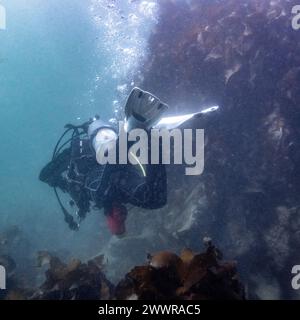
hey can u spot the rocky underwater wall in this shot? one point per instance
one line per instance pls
(245, 57)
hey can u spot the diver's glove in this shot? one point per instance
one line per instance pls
(143, 110)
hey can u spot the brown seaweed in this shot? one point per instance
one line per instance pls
(166, 275)
(188, 276)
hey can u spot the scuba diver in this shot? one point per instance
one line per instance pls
(75, 169)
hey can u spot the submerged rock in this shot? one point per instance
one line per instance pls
(9, 236)
(74, 281)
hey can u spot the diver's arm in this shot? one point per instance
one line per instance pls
(52, 172)
(81, 200)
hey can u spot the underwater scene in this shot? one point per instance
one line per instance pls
(150, 149)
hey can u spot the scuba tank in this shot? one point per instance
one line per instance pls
(102, 137)
(84, 141)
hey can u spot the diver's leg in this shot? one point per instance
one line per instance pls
(150, 191)
(140, 185)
